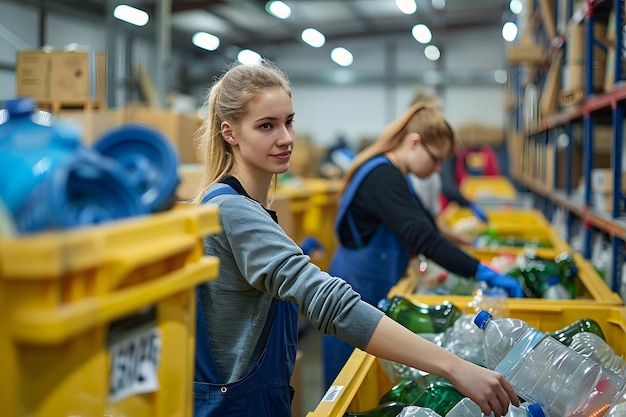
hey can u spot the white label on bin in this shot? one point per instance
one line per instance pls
(135, 364)
(332, 393)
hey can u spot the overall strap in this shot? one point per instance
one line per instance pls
(350, 192)
(219, 189)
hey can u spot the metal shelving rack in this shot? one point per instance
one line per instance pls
(593, 106)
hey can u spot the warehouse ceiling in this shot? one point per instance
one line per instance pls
(246, 24)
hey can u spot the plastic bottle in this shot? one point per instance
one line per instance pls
(465, 340)
(408, 390)
(566, 334)
(418, 317)
(594, 347)
(417, 411)
(468, 408)
(390, 409)
(428, 391)
(544, 371)
(554, 290)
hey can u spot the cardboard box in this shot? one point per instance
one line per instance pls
(61, 76)
(478, 134)
(181, 129)
(92, 123)
(296, 382)
(528, 52)
(190, 181)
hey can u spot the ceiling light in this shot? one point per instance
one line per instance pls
(406, 6)
(500, 76)
(516, 6)
(206, 41)
(341, 56)
(131, 15)
(422, 34)
(509, 31)
(249, 57)
(278, 9)
(432, 52)
(313, 37)
(438, 4)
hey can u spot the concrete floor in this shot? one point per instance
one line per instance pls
(311, 390)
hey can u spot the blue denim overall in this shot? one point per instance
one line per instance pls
(371, 269)
(265, 390)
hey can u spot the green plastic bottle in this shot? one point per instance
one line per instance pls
(439, 396)
(419, 317)
(409, 389)
(533, 272)
(389, 409)
(566, 334)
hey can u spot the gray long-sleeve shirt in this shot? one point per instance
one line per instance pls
(259, 261)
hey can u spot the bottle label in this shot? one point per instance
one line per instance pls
(521, 349)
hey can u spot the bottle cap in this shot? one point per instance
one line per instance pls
(383, 304)
(20, 107)
(553, 280)
(481, 318)
(149, 160)
(535, 410)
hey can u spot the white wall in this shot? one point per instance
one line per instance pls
(393, 67)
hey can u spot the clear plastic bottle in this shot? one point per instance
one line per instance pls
(417, 411)
(555, 290)
(544, 371)
(468, 408)
(594, 347)
(465, 340)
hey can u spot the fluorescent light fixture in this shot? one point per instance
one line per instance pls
(421, 33)
(341, 56)
(278, 9)
(206, 41)
(131, 15)
(313, 37)
(500, 76)
(406, 6)
(432, 52)
(509, 31)
(249, 57)
(516, 6)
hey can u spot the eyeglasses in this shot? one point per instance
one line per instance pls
(436, 159)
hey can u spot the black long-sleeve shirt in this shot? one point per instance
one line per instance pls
(384, 197)
(449, 187)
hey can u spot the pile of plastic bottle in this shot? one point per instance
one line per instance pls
(49, 180)
(569, 372)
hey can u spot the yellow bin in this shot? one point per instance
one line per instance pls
(101, 321)
(362, 381)
(478, 188)
(590, 286)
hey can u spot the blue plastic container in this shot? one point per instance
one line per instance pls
(87, 189)
(149, 160)
(29, 151)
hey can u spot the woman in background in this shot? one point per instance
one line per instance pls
(381, 222)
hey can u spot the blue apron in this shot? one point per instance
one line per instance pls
(264, 391)
(370, 269)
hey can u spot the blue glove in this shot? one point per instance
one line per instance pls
(479, 213)
(494, 279)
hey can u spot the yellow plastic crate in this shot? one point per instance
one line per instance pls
(543, 234)
(500, 219)
(77, 304)
(476, 188)
(589, 284)
(362, 381)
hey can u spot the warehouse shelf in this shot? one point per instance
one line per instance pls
(546, 154)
